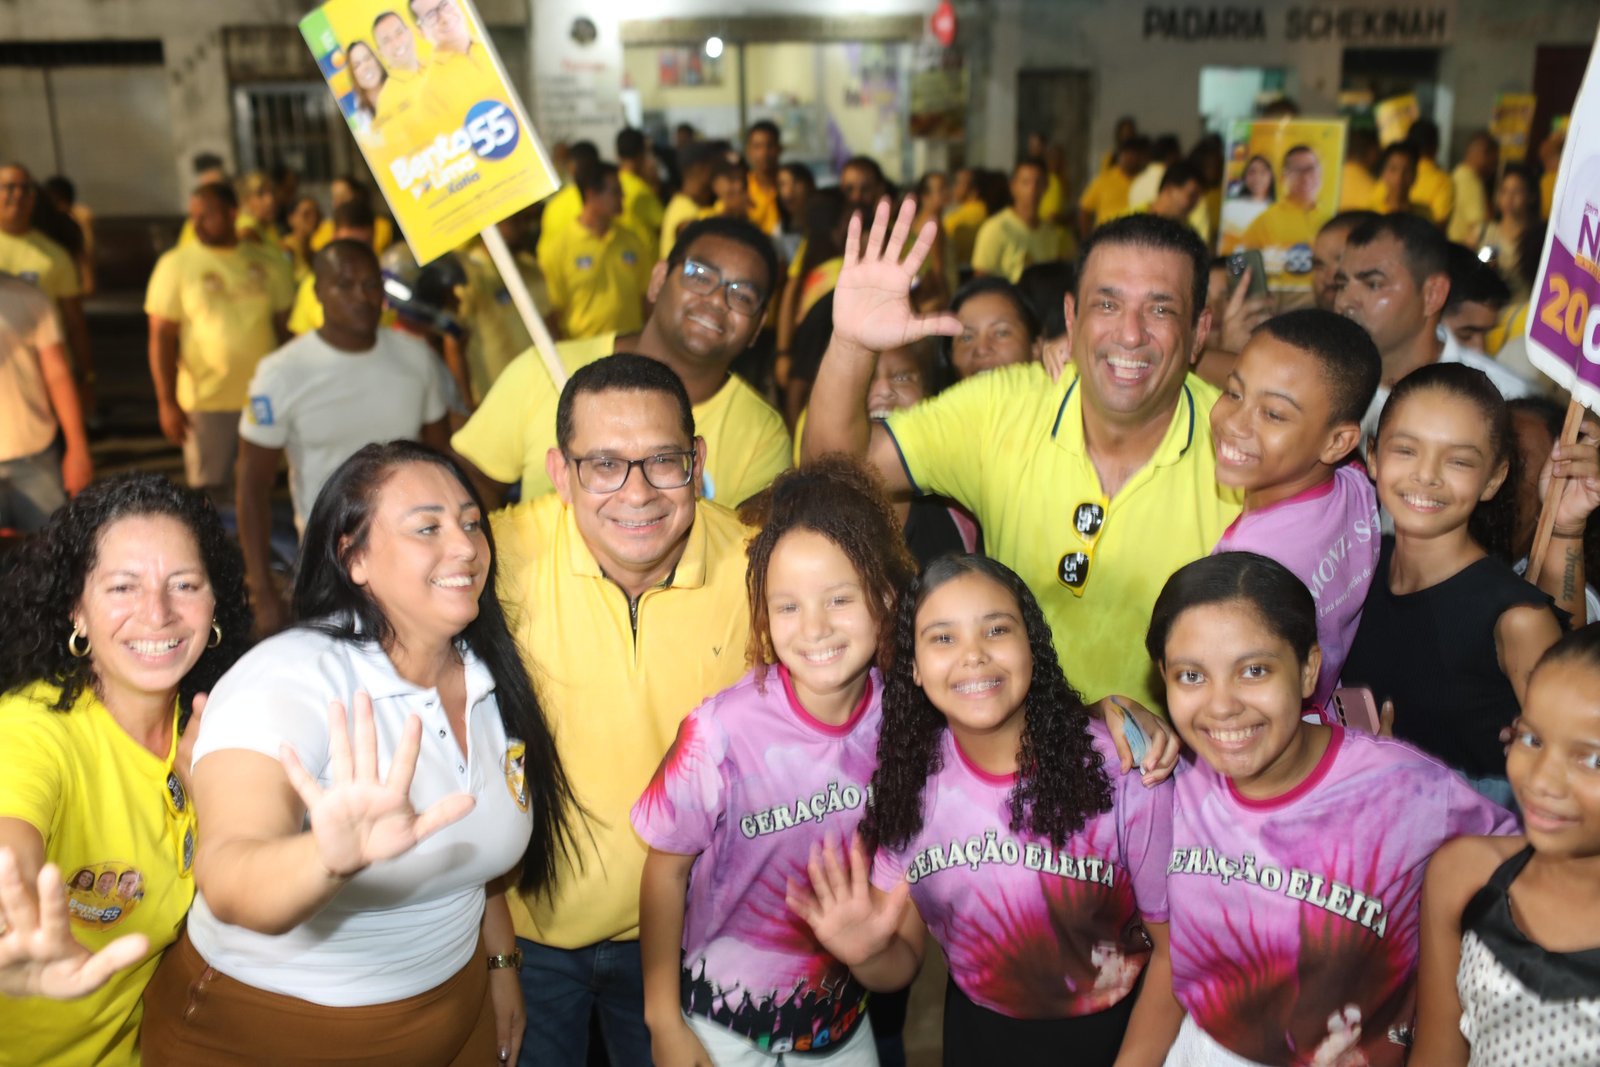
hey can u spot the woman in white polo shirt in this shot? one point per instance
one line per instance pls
(354, 911)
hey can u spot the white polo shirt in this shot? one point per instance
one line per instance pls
(406, 925)
(322, 405)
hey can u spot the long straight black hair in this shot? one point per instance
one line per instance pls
(328, 600)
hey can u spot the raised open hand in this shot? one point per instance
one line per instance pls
(872, 300)
(359, 820)
(39, 957)
(852, 922)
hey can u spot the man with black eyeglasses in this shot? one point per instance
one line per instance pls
(709, 297)
(627, 597)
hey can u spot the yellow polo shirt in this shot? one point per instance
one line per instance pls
(596, 284)
(1434, 194)
(1284, 225)
(1357, 187)
(98, 798)
(1009, 446)
(40, 262)
(1107, 195)
(764, 211)
(1007, 246)
(223, 300)
(747, 443)
(1054, 200)
(961, 225)
(641, 208)
(614, 693)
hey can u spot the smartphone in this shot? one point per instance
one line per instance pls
(1258, 270)
(1138, 743)
(1355, 708)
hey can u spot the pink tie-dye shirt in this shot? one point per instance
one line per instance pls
(750, 784)
(1329, 537)
(1294, 920)
(1030, 931)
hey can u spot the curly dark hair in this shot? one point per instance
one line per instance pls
(1062, 779)
(1493, 523)
(328, 600)
(37, 600)
(835, 497)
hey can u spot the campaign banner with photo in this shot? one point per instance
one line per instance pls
(1564, 321)
(1281, 184)
(430, 106)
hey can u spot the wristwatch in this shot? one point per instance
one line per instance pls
(512, 959)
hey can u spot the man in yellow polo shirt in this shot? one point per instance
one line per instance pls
(597, 270)
(962, 222)
(627, 596)
(400, 110)
(216, 307)
(700, 324)
(561, 211)
(460, 72)
(28, 254)
(636, 168)
(1094, 488)
(763, 146)
(1014, 239)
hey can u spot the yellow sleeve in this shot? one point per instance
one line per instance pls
(495, 438)
(936, 437)
(62, 281)
(32, 785)
(988, 251)
(162, 296)
(1444, 200)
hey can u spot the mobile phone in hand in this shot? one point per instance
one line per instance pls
(1356, 709)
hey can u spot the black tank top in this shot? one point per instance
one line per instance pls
(1432, 652)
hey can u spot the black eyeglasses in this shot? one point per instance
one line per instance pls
(1088, 519)
(704, 280)
(607, 474)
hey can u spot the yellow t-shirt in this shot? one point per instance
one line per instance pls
(382, 235)
(1107, 195)
(98, 798)
(615, 692)
(1434, 194)
(223, 300)
(1009, 446)
(961, 225)
(1283, 225)
(498, 334)
(641, 208)
(764, 211)
(747, 443)
(1007, 246)
(1357, 187)
(596, 284)
(40, 262)
(680, 211)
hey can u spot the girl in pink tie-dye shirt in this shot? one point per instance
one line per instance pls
(758, 775)
(1298, 848)
(997, 811)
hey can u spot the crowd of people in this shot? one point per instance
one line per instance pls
(984, 561)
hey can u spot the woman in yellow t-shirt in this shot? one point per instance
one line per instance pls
(128, 604)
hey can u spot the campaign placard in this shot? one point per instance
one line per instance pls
(1564, 320)
(1281, 183)
(430, 106)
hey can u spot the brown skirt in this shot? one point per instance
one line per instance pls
(194, 1014)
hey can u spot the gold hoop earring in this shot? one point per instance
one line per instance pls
(72, 644)
(216, 635)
